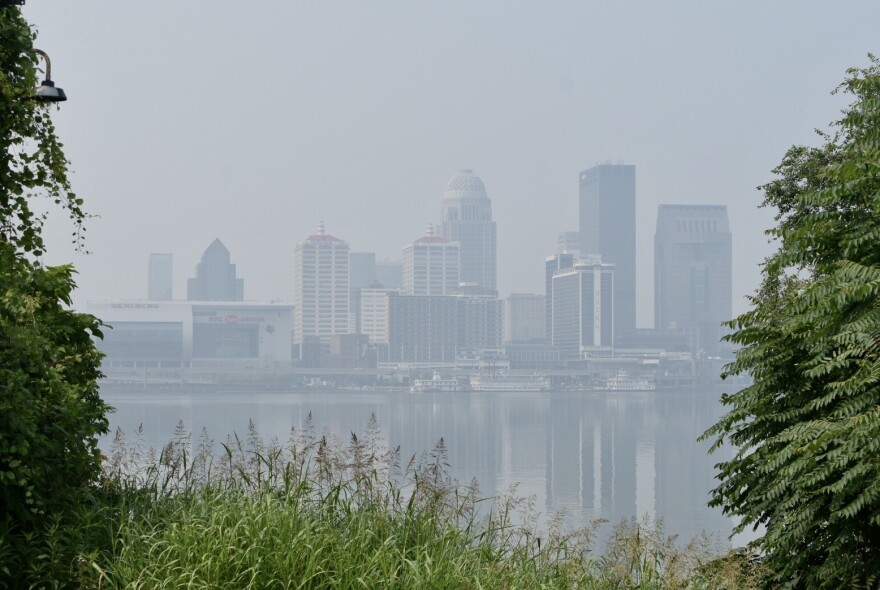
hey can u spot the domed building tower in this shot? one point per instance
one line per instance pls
(467, 219)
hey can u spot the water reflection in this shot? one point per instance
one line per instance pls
(608, 455)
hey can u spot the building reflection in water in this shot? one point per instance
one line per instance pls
(609, 455)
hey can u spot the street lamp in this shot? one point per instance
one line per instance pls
(47, 91)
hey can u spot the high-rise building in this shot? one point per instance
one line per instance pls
(160, 277)
(430, 266)
(583, 306)
(441, 328)
(692, 271)
(422, 328)
(526, 318)
(569, 241)
(608, 229)
(374, 314)
(480, 325)
(362, 274)
(215, 277)
(467, 219)
(321, 300)
(551, 265)
(389, 273)
(362, 268)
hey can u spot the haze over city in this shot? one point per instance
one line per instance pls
(252, 123)
(455, 294)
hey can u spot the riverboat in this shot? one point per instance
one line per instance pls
(624, 382)
(506, 382)
(436, 383)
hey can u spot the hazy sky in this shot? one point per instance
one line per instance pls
(251, 121)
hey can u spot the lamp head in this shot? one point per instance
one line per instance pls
(48, 92)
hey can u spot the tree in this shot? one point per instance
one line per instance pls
(50, 410)
(807, 431)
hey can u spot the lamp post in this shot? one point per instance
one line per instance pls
(47, 91)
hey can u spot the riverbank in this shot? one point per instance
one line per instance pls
(310, 513)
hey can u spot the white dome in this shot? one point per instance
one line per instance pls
(466, 182)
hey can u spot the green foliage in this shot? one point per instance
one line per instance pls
(32, 162)
(50, 411)
(808, 429)
(318, 513)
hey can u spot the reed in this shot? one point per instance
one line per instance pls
(317, 512)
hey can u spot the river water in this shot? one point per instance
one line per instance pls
(609, 455)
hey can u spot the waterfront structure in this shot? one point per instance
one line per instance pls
(552, 264)
(436, 384)
(160, 279)
(506, 382)
(525, 317)
(534, 355)
(215, 278)
(608, 229)
(321, 299)
(569, 241)
(430, 265)
(467, 219)
(692, 271)
(583, 307)
(190, 333)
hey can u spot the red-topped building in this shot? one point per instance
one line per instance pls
(321, 298)
(431, 265)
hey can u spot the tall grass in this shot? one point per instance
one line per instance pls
(317, 512)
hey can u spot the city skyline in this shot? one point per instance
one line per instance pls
(704, 99)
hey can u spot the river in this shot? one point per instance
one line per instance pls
(596, 454)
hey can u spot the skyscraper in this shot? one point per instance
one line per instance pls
(160, 277)
(422, 328)
(583, 306)
(480, 324)
(321, 299)
(389, 273)
(215, 277)
(430, 266)
(362, 267)
(374, 314)
(608, 228)
(551, 265)
(692, 271)
(525, 317)
(568, 241)
(467, 219)
(361, 274)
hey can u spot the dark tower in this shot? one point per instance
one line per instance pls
(608, 228)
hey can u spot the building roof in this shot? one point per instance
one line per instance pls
(465, 181)
(216, 247)
(321, 236)
(430, 238)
